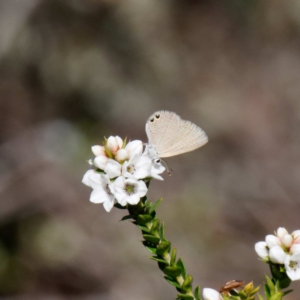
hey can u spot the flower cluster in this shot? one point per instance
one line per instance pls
(282, 248)
(120, 173)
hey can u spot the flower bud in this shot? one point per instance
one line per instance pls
(287, 240)
(296, 235)
(272, 241)
(134, 148)
(281, 231)
(122, 155)
(211, 294)
(100, 162)
(277, 255)
(261, 250)
(295, 248)
(98, 150)
(114, 143)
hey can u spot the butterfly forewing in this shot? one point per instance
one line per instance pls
(162, 128)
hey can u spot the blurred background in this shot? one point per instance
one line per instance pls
(73, 71)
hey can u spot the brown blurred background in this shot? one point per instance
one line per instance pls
(72, 71)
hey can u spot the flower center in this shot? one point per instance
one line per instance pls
(129, 188)
(131, 169)
(294, 265)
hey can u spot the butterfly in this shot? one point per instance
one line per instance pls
(169, 135)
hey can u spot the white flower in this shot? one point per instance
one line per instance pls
(114, 143)
(272, 241)
(101, 186)
(292, 266)
(128, 190)
(98, 150)
(262, 250)
(211, 294)
(277, 255)
(112, 168)
(137, 167)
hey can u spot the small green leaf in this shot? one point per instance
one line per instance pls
(163, 248)
(185, 297)
(174, 283)
(260, 297)
(287, 292)
(144, 219)
(173, 256)
(155, 227)
(155, 205)
(152, 239)
(277, 296)
(172, 271)
(149, 248)
(180, 264)
(119, 206)
(143, 228)
(159, 260)
(197, 293)
(270, 285)
(284, 283)
(128, 217)
(187, 284)
(254, 291)
(162, 231)
(108, 152)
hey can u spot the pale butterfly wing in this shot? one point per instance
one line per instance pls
(169, 135)
(189, 138)
(161, 128)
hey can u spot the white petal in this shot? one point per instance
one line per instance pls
(295, 248)
(98, 150)
(142, 188)
(133, 199)
(134, 148)
(281, 231)
(211, 294)
(118, 190)
(292, 266)
(100, 162)
(261, 250)
(157, 169)
(99, 196)
(287, 240)
(112, 168)
(277, 255)
(109, 204)
(272, 241)
(98, 180)
(86, 176)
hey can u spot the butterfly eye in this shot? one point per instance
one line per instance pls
(152, 120)
(157, 161)
(157, 116)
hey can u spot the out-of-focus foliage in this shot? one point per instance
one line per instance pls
(72, 71)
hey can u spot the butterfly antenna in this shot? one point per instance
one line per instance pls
(168, 170)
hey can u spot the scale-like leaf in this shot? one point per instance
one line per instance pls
(185, 297)
(152, 239)
(180, 264)
(172, 271)
(155, 205)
